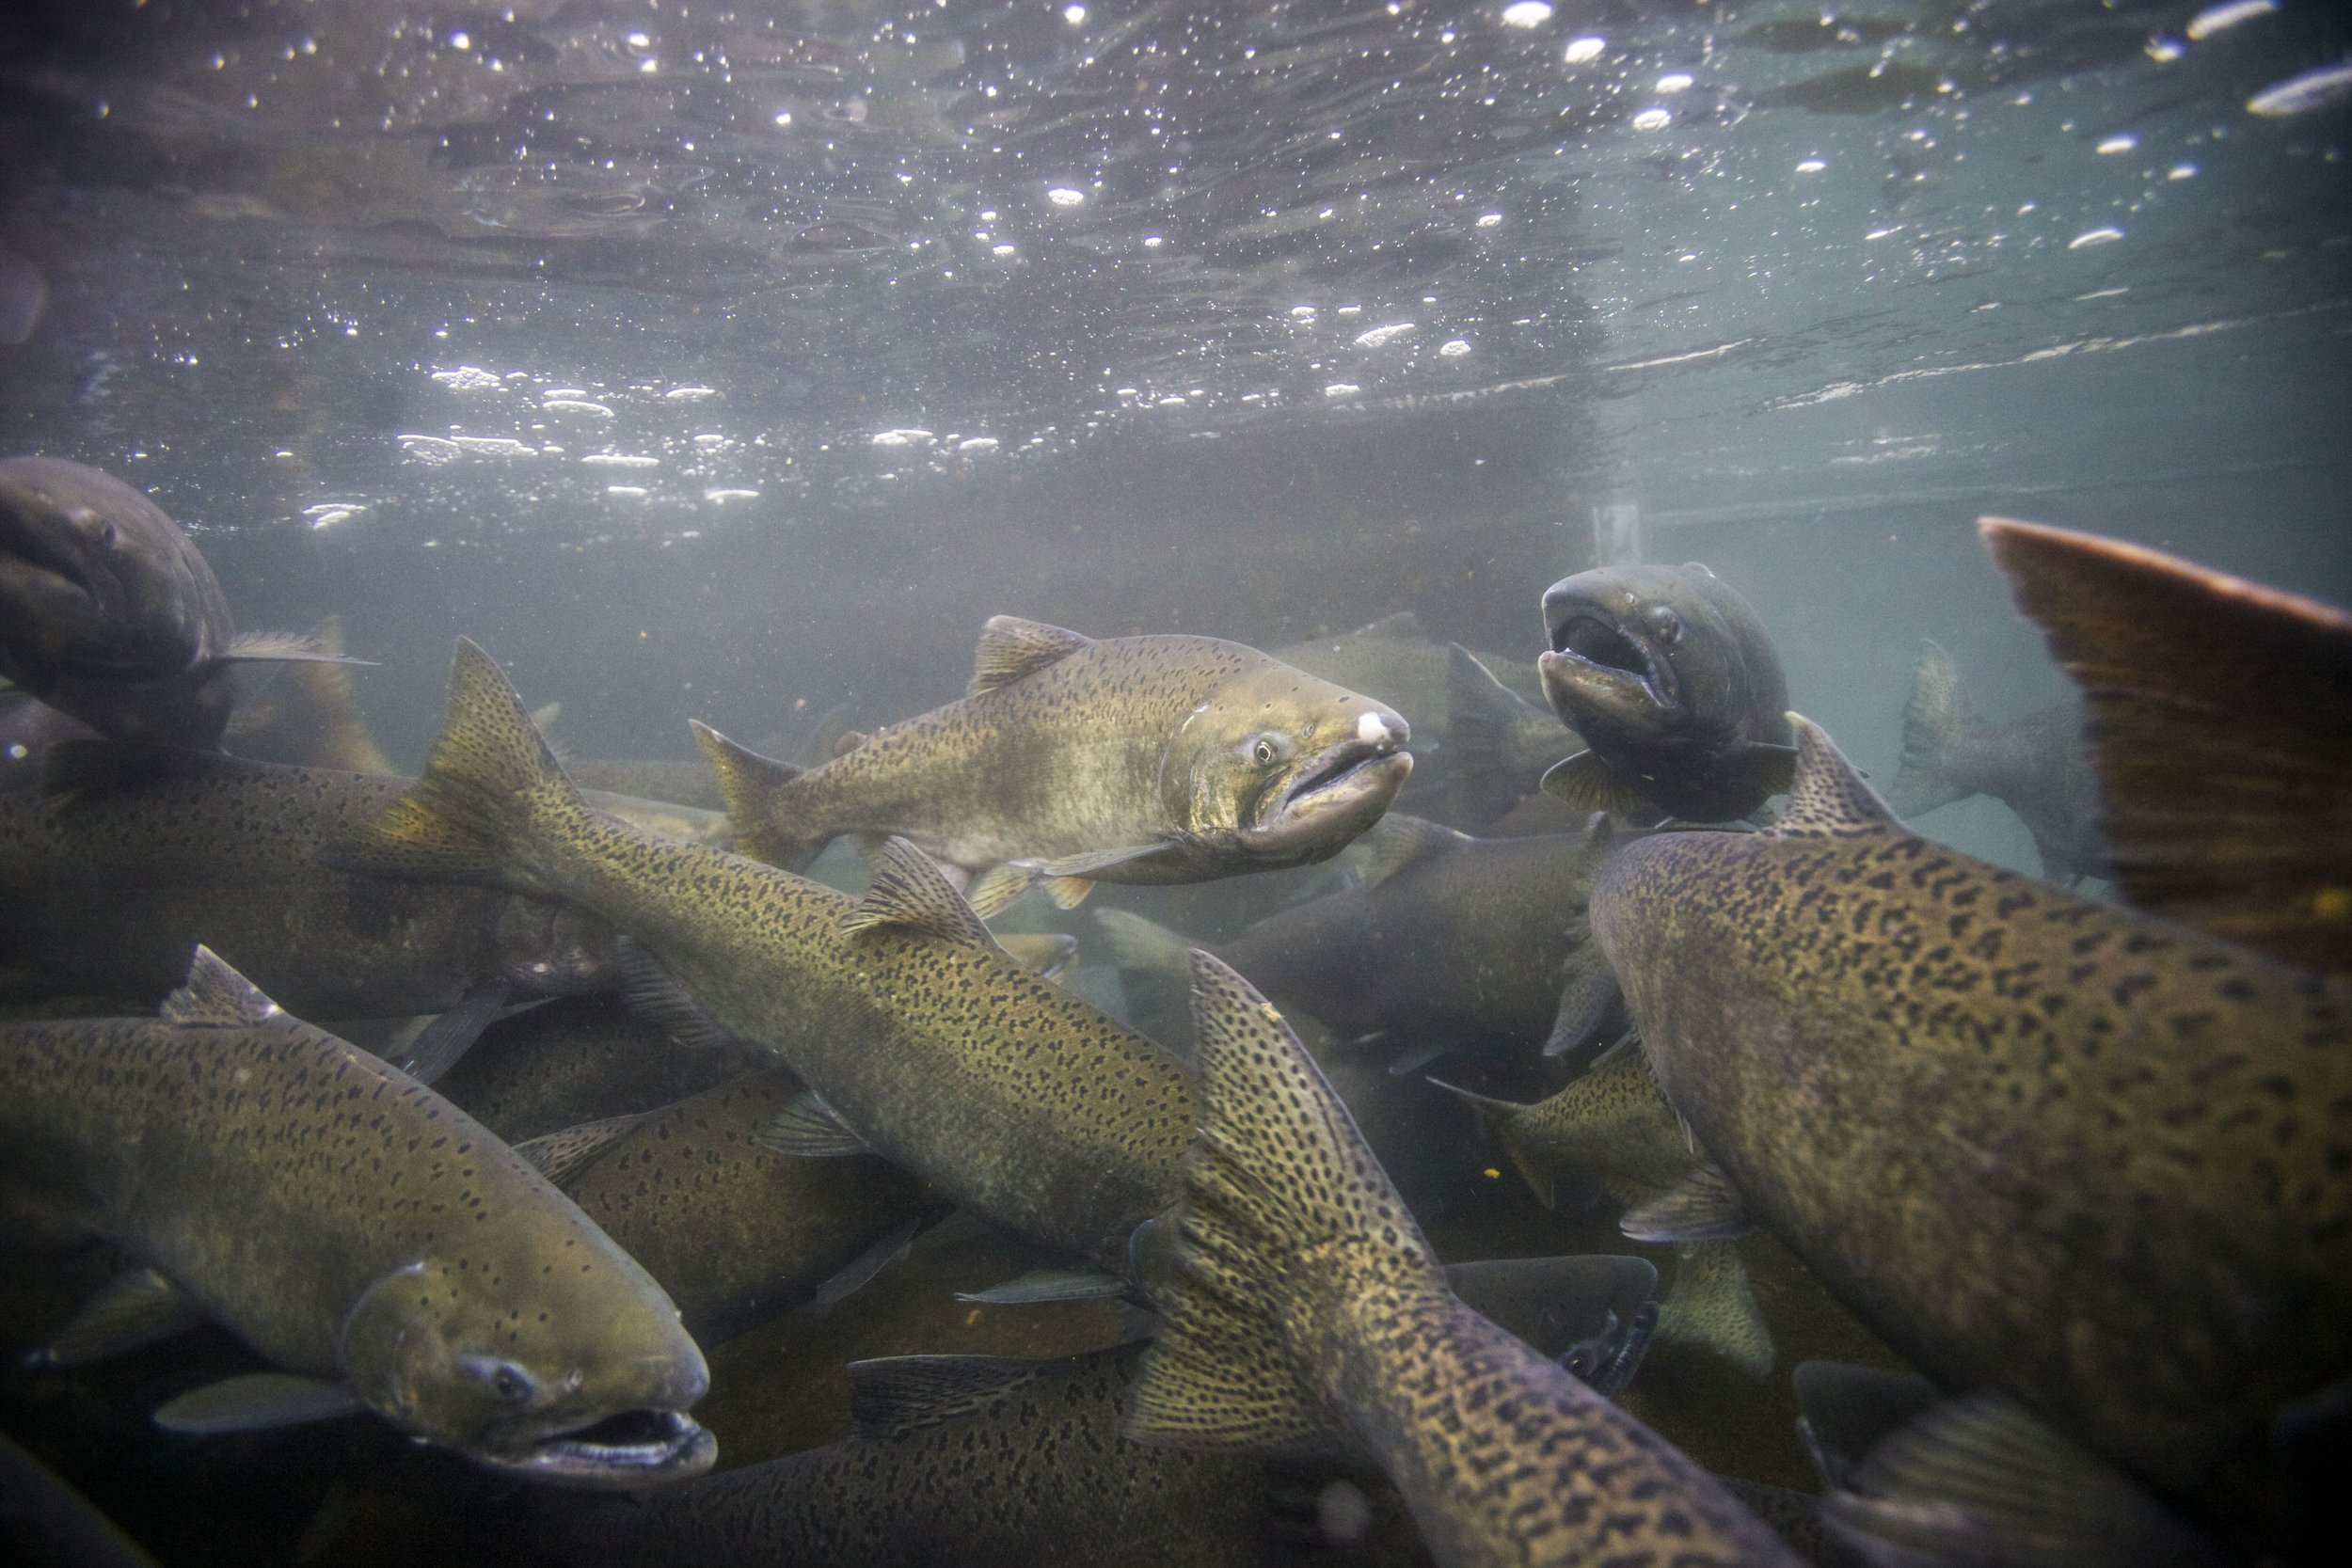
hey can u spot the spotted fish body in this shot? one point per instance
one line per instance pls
(932, 1046)
(1305, 1306)
(736, 1231)
(1210, 755)
(2039, 1143)
(974, 1461)
(103, 892)
(343, 1220)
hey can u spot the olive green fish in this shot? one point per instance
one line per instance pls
(2041, 1144)
(734, 1230)
(923, 1038)
(138, 854)
(984, 1461)
(1672, 680)
(1611, 1126)
(1134, 759)
(355, 1228)
(1305, 1306)
(578, 1059)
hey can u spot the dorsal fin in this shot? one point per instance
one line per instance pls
(1397, 840)
(1401, 625)
(909, 892)
(1830, 797)
(1011, 648)
(216, 994)
(894, 1395)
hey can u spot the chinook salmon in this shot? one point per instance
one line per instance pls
(1304, 1306)
(364, 1235)
(919, 1037)
(1612, 1127)
(1672, 680)
(2041, 1144)
(1451, 943)
(985, 1462)
(108, 612)
(735, 1230)
(137, 855)
(1132, 759)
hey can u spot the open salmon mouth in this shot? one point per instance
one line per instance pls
(1603, 646)
(631, 1448)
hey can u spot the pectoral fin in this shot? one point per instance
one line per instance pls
(1043, 1285)
(256, 1402)
(136, 1308)
(1000, 887)
(1702, 1207)
(807, 1129)
(440, 1044)
(894, 1395)
(886, 1250)
(1979, 1479)
(288, 647)
(560, 1156)
(1588, 991)
(1585, 782)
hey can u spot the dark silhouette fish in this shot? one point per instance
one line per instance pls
(1671, 680)
(2045, 1146)
(2220, 723)
(358, 1230)
(1452, 943)
(1305, 1307)
(107, 611)
(2038, 766)
(578, 1059)
(1133, 759)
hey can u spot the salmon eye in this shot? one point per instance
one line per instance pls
(1263, 752)
(510, 1383)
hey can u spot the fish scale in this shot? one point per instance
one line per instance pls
(2039, 1143)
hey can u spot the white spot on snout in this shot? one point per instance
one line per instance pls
(1371, 728)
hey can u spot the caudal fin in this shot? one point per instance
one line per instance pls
(1934, 722)
(488, 792)
(1503, 1117)
(1279, 1166)
(760, 802)
(1708, 1304)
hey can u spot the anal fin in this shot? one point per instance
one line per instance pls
(1585, 782)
